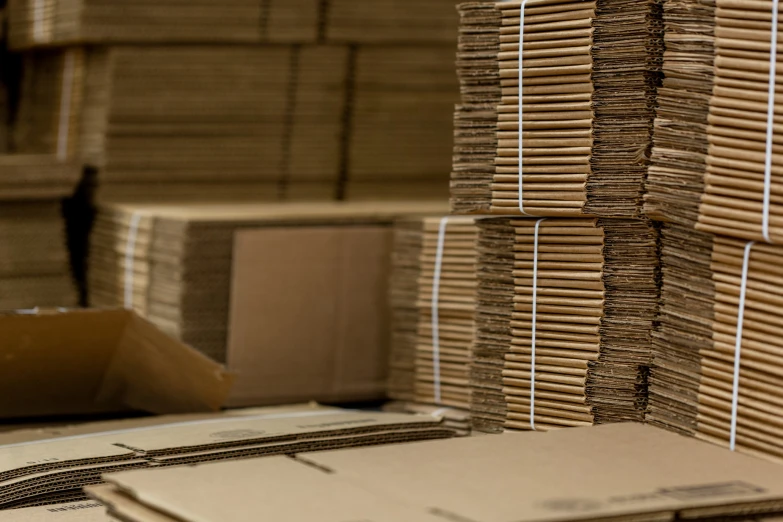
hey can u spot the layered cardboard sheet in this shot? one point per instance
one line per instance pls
(589, 74)
(455, 418)
(683, 478)
(675, 181)
(565, 313)
(46, 471)
(173, 264)
(741, 194)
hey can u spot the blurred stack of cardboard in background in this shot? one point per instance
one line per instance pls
(208, 273)
(337, 111)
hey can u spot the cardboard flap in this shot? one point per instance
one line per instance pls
(152, 372)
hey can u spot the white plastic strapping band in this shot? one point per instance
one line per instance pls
(65, 107)
(521, 189)
(435, 312)
(738, 345)
(773, 61)
(533, 328)
(130, 258)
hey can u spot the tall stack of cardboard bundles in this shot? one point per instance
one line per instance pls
(717, 347)
(5, 109)
(588, 85)
(35, 268)
(433, 300)
(565, 306)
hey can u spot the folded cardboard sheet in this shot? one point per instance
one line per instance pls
(682, 478)
(45, 471)
(565, 312)
(36, 177)
(89, 361)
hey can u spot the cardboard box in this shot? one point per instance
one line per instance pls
(635, 473)
(302, 330)
(88, 361)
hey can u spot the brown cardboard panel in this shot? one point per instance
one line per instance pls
(682, 475)
(90, 361)
(305, 330)
(84, 511)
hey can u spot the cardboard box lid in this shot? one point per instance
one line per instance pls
(90, 361)
(308, 316)
(578, 474)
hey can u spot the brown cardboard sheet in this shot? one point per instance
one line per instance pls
(684, 478)
(83, 511)
(115, 361)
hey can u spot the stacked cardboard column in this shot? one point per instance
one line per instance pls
(716, 345)
(433, 299)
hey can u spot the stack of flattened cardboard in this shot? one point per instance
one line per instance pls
(391, 21)
(194, 271)
(433, 298)
(5, 109)
(457, 419)
(682, 479)
(675, 181)
(589, 71)
(446, 308)
(34, 265)
(584, 298)
(742, 187)
(36, 177)
(403, 297)
(475, 118)
(684, 328)
(400, 121)
(54, 470)
(60, 22)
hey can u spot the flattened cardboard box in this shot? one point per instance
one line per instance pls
(89, 361)
(636, 473)
(303, 330)
(84, 511)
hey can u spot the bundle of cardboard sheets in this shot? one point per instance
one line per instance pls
(64, 22)
(675, 181)
(35, 268)
(475, 118)
(588, 78)
(693, 379)
(301, 121)
(742, 195)
(54, 468)
(682, 479)
(433, 298)
(570, 346)
(185, 268)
